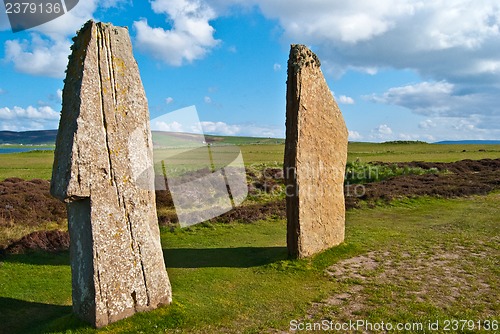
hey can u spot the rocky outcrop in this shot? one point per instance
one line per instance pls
(103, 146)
(315, 158)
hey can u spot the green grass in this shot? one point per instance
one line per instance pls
(27, 165)
(359, 172)
(39, 164)
(236, 278)
(169, 139)
(414, 260)
(420, 152)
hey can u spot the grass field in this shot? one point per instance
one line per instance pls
(31, 165)
(414, 261)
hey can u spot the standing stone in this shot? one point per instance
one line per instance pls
(315, 158)
(103, 145)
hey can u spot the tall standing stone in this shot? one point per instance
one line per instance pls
(315, 158)
(103, 145)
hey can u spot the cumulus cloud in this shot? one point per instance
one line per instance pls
(38, 56)
(46, 52)
(246, 129)
(169, 100)
(452, 128)
(383, 131)
(455, 45)
(395, 33)
(220, 128)
(427, 124)
(169, 127)
(444, 100)
(349, 22)
(345, 99)
(30, 118)
(190, 38)
(355, 135)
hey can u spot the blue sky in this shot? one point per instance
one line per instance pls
(399, 69)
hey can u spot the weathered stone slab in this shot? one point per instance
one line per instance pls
(103, 145)
(315, 158)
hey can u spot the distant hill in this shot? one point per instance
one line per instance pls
(43, 137)
(160, 139)
(474, 142)
(178, 139)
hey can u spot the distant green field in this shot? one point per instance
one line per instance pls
(38, 164)
(163, 139)
(421, 152)
(27, 165)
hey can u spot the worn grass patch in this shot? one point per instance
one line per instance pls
(417, 260)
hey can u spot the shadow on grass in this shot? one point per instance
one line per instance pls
(38, 258)
(238, 257)
(19, 316)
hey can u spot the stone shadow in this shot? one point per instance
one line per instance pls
(38, 258)
(237, 257)
(19, 316)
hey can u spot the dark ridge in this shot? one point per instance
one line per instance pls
(28, 137)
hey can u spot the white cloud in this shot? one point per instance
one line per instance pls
(30, 118)
(207, 99)
(383, 131)
(450, 42)
(169, 127)
(59, 94)
(427, 124)
(354, 135)
(276, 67)
(220, 128)
(446, 101)
(247, 129)
(345, 99)
(349, 22)
(454, 128)
(169, 100)
(409, 136)
(39, 56)
(46, 52)
(395, 33)
(190, 38)
(30, 112)
(48, 55)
